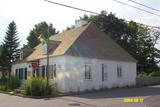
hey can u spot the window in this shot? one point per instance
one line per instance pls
(19, 74)
(104, 72)
(25, 73)
(88, 73)
(34, 73)
(16, 73)
(43, 71)
(52, 69)
(119, 71)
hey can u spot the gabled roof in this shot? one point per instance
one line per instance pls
(26, 52)
(66, 38)
(86, 41)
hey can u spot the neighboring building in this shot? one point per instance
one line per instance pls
(83, 58)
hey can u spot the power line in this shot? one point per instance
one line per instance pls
(136, 8)
(91, 11)
(144, 5)
(72, 7)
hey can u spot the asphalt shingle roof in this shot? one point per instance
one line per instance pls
(86, 41)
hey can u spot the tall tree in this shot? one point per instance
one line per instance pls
(137, 39)
(40, 28)
(10, 50)
(1, 49)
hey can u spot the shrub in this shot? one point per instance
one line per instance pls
(13, 83)
(3, 88)
(36, 87)
(8, 84)
(154, 74)
(3, 81)
(3, 84)
(142, 75)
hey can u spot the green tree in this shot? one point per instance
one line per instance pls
(40, 28)
(1, 49)
(137, 39)
(10, 51)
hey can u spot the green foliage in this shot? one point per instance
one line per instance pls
(9, 84)
(142, 75)
(137, 39)
(149, 74)
(41, 28)
(3, 84)
(3, 88)
(154, 74)
(13, 82)
(1, 49)
(37, 87)
(10, 45)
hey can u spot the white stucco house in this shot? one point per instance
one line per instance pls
(83, 58)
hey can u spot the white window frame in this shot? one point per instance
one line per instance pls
(52, 69)
(17, 72)
(87, 73)
(119, 71)
(104, 72)
(43, 71)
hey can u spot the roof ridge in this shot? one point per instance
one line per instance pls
(87, 25)
(67, 38)
(52, 36)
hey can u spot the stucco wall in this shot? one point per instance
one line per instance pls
(75, 74)
(70, 73)
(60, 70)
(20, 65)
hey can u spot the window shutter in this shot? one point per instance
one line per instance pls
(102, 72)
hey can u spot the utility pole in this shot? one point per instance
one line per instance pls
(47, 66)
(45, 37)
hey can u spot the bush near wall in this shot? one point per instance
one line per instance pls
(142, 75)
(3, 84)
(154, 74)
(9, 84)
(13, 83)
(37, 87)
(147, 75)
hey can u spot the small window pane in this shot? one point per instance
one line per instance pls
(16, 73)
(88, 74)
(19, 74)
(54, 70)
(51, 71)
(25, 73)
(104, 72)
(43, 71)
(119, 71)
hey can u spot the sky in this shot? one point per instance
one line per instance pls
(27, 13)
